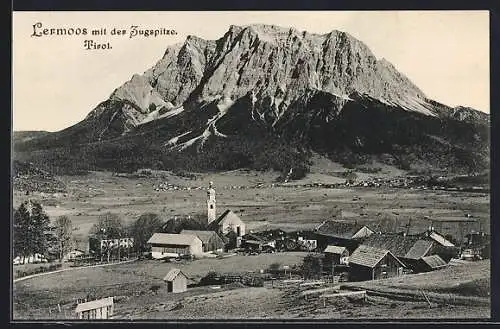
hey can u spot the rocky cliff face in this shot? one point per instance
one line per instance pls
(323, 92)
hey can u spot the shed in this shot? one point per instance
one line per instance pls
(96, 309)
(370, 263)
(433, 262)
(210, 240)
(335, 254)
(176, 281)
(174, 245)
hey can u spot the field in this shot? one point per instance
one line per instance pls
(286, 207)
(289, 207)
(130, 284)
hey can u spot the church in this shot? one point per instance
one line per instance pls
(226, 222)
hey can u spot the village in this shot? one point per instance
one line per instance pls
(336, 251)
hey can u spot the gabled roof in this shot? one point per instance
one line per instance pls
(204, 236)
(398, 244)
(339, 228)
(369, 256)
(94, 304)
(177, 239)
(419, 249)
(172, 274)
(335, 250)
(228, 214)
(434, 261)
(441, 240)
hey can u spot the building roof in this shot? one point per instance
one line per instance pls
(176, 239)
(369, 256)
(434, 261)
(440, 239)
(339, 228)
(204, 236)
(94, 304)
(419, 249)
(335, 250)
(228, 214)
(399, 244)
(172, 274)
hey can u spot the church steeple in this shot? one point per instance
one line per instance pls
(210, 203)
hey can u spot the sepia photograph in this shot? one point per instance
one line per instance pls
(250, 165)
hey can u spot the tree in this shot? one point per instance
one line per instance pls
(63, 234)
(351, 177)
(22, 230)
(31, 230)
(40, 229)
(143, 228)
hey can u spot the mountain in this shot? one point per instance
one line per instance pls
(265, 97)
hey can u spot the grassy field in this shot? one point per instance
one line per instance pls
(288, 208)
(130, 284)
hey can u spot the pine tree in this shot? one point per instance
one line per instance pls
(41, 231)
(22, 247)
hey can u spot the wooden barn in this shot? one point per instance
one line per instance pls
(164, 245)
(410, 249)
(176, 281)
(369, 263)
(335, 254)
(210, 240)
(343, 233)
(95, 310)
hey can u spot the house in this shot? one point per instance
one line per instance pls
(176, 281)
(476, 246)
(165, 245)
(410, 249)
(341, 233)
(210, 240)
(228, 222)
(370, 263)
(336, 255)
(95, 310)
(74, 254)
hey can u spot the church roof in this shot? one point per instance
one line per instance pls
(228, 214)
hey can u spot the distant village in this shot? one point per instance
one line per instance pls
(338, 250)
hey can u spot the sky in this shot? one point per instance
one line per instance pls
(57, 82)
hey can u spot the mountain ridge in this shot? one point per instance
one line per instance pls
(306, 91)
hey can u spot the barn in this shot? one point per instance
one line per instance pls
(176, 281)
(341, 233)
(210, 240)
(95, 310)
(335, 254)
(369, 263)
(165, 245)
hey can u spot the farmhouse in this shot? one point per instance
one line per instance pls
(176, 281)
(175, 245)
(369, 263)
(96, 309)
(341, 233)
(411, 249)
(210, 240)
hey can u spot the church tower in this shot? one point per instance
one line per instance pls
(210, 203)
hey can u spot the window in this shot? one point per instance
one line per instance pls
(211, 206)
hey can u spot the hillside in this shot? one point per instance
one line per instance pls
(266, 97)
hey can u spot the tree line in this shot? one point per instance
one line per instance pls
(35, 233)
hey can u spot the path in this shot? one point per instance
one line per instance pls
(70, 269)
